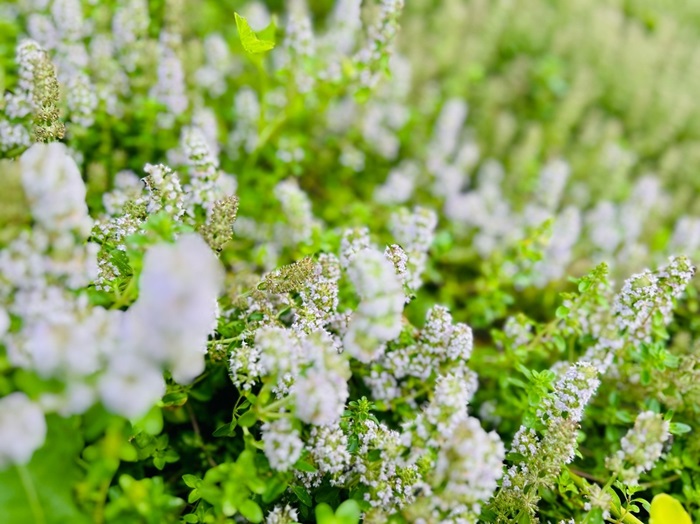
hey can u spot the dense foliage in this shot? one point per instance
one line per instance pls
(349, 261)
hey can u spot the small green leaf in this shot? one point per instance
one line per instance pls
(247, 419)
(324, 514)
(175, 399)
(223, 431)
(274, 488)
(194, 496)
(251, 511)
(348, 512)
(678, 428)
(302, 495)
(190, 480)
(302, 465)
(559, 343)
(251, 43)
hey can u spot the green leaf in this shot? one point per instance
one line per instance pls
(175, 399)
(302, 495)
(190, 480)
(152, 422)
(251, 511)
(302, 465)
(223, 431)
(44, 491)
(274, 488)
(562, 312)
(678, 428)
(251, 43)
(247, 419)
(324, 514)
(348, 512)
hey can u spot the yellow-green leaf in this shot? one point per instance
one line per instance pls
(667, 510)
(251, 43)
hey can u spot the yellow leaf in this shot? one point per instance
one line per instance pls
(667, 510)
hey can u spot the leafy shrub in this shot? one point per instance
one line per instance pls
(348, 261)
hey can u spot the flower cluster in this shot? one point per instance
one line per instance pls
(546, 449)
(642, 447)
(112, 355)
(377, 318)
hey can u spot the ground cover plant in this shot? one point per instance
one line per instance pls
(351, 261)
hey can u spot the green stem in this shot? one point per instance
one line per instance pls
(273, 407)
(32, 495)
(265, 135)
(125, 297)
(102, 494)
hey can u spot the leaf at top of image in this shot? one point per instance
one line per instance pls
(250, 40)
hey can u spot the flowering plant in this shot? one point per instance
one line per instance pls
(266, 266)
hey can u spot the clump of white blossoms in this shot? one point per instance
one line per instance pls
(545, 451)
(114, 355)
(178, 281)
(282, 515)
(321, 391)
(282, 443)
(377, 318)
(467, 470)
(22, 429)
(439, 348)
(296, 207)
(642, 447)
(645, 299)
(202, 189)
(414, 231)
(60, 335)
(649, 293)
(465, 461)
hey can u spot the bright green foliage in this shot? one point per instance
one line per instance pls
(250, 41)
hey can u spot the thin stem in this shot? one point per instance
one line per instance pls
(586, 476)
(659, 482)
(32, 495)
(99, 513)
(274, 406)
(125, 297)
(198, 433)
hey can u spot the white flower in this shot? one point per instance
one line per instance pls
(281, 443)
(55, 190)
(279, 350)
(177, 306)
(22, 429)
(414, 231)
(297, 210)
(282, 515)
(642, 446)
(353, 242)
(320, 396)
(131, 385)
(377, 318)
(468, 467)
(4, 321)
